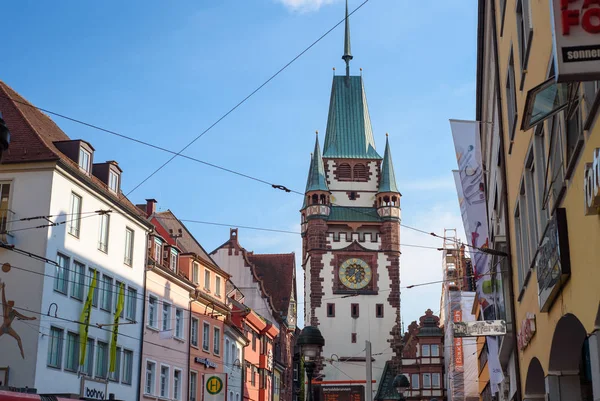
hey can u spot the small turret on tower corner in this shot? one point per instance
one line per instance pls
(317, 197)
(388, 196)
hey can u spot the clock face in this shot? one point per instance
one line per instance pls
(355, 273)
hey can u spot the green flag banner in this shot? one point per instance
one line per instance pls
(115, 332)
(84, 321)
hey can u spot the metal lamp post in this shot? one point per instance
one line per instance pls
(401, 384)
(310, 342)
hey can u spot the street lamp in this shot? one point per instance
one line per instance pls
(401, 384)
(310, 342)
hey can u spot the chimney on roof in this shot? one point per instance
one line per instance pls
(233, 234)
(150, 207)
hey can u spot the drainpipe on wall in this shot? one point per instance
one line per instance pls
(189, 350)
(506, 212)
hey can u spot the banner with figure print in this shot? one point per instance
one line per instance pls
(115, 330)
(472, 199)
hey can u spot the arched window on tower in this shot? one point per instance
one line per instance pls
(323, 201)
(315, 199)
(361, 173)
(344, 172)
(394, 199)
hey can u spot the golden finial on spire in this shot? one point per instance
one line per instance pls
(317, 132)
(386, 134)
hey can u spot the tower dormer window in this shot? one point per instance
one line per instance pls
(84, 160)
(344, 172)
(360, 173)
(113, 181)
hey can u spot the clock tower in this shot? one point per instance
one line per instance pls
(351, 239)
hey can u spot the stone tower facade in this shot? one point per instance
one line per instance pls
(351, 239)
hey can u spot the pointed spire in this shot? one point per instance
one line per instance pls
(316, 175)
(387, 183)
(347, 52)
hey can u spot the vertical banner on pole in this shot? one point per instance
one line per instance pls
(472, 199)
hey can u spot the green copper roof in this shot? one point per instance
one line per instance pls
(342, 213)
(316, 174)
(387, 183)
(349, 133)
(386, 389)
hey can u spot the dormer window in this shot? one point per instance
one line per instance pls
(173, 263)
(113, 181)
(84, 160)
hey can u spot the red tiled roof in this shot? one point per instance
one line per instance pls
(32, 136)
(276, 271)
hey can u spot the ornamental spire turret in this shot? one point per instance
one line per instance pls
(347, 51)
(388, 196)
(316, 174)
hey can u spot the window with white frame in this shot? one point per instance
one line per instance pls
(166, 316)
(525, 228)
(4, 204)
(217, 341)
(107, 290)
(227, 357)
(435, 350)
(104, 228)
(176, 384)
(101, 359)
(206, 336)
(61, 274)
(128, 246)
(173, 259)
(113, 181)
(179, 323)
(127, 366)
(195, 273)
(157, 250)
(193, 385)
(522, 270)
(207, 280)
(78, 280)
(84, 160)
(532, 203)
(234, 353)
(524, 31)
(217, 286)
(74, 219)
(72, 352)
(164, 381)
(426, 380)
(435, 380)
(55, 347)
(131, 303)
(415, 381)
(152, 311)
(114, 376)
(150, 384)
(194, 332)
(425, 350)
(540, 162)
(88, 365)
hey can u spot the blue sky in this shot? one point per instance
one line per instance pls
(165, 71)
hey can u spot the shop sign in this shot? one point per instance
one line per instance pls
(526, 331)
(576, 34)
(552, 261)
(93, 389)
(206, 362)
(480, 328)
(592, 185)
(214, 386)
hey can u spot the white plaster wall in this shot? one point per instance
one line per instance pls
(85, 250)
(29, 196)
(176, 355)
(242, 277)
(337, 330)
(234, 373)
(366, 190)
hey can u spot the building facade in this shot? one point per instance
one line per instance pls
(268, 283)
(351, 238)
(550, 157)
(234, 344)
(87, 228)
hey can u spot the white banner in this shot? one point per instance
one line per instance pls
(467, 143)
(214, 386)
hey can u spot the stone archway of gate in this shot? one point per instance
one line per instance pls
(564, 378)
